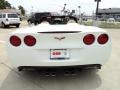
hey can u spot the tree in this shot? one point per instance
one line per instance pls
(21, 8)
(4, 4)
(7, 4)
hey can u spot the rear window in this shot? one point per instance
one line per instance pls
(4, 15)
(12, 16)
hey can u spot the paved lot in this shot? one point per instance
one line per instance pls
(108, 78)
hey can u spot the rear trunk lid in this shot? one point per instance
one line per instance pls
(58, 36)
(59, 40)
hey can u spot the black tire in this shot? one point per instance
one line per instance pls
(20, 69)
(7, 26)
(36, 23)
(29, 22)
(18, 25)
(3, 25)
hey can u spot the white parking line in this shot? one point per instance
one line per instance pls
(1, 41)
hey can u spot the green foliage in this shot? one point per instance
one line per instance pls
(21, 8)
(4, 4)
(110, 25)
(7, 4)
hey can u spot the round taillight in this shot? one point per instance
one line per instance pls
(103, 38)
(89, 39)
(15, 41)
(29, 40)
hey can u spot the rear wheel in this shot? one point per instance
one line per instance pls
(18, 25)
(20, 68)
(3, 25)
(36, 23)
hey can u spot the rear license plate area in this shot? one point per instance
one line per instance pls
(59, 54)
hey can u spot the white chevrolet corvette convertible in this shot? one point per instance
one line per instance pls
(59, 45)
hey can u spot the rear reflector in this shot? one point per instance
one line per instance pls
(89, 39)
(15, 41)
(103, 38)
(29, 40)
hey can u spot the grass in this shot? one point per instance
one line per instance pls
(110, 25)
(88, 23)
(104, 24)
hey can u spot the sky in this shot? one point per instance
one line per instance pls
(87, 6)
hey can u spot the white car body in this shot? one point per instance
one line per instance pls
(67, 38)
(7, 19)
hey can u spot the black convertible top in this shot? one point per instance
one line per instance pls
(59, 19)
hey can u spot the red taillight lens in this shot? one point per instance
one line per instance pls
(89, 39)
(103, 38)
(29, 40)
(15, 41)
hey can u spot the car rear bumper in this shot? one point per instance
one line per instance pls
(90, 66)
(12, 23)
(41, 58)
